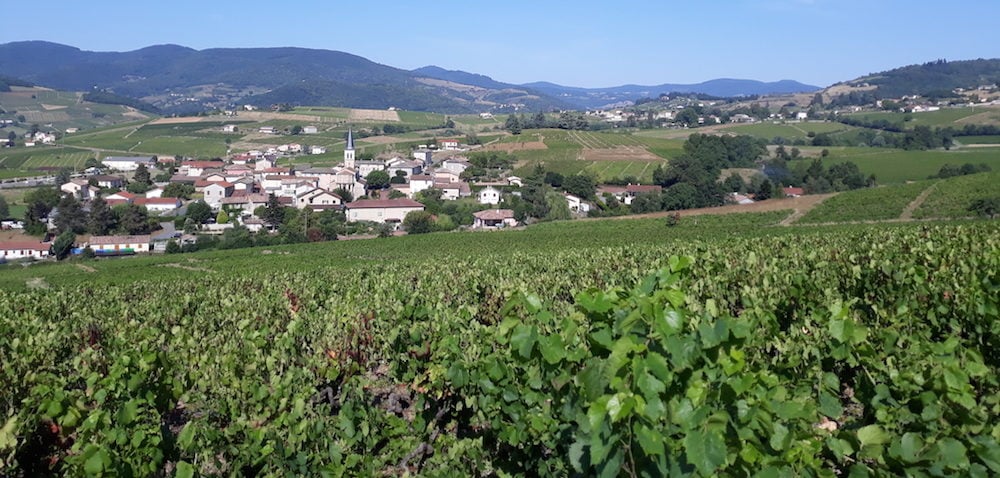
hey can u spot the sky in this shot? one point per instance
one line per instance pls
(585, 43)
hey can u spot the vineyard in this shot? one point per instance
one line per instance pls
(870, 204)
(863, 350)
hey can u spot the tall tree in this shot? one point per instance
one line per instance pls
(274, 213)
(71, 216)
(133, 219)
(377, 179)
(199, 211)
(513, 124)
(63, 245)
(63, 176)
(142, 175)
(102, 219)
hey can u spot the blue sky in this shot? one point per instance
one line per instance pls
(581, 43)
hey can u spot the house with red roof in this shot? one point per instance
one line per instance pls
(14, 250)
(381, 210)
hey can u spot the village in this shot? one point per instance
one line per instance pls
(379, 192)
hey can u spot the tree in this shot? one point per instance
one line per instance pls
(11, 136)
(63, 245)
(71, 216)
(513, 124)
(199, 211)
(377, 179)
(558, 207)
(222, 217)
(765, 191)
(449, 123)
(344, 194)
(173, 247)
(986, 207)
(138, 187)
(296, 130)
(142, 175)
(132, 219)
(817, 100)
(101, 219)
(4, 208)
(396, 194)
(734, 183)
(274, 213)
(63, 176)
(580, 185)
(418, 222)
(554, 179)
(178, 190)
(687, 116)
(92, 163)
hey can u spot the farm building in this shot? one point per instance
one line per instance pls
(128, 163)
(493, 219)
(24, 250)
(119, 245)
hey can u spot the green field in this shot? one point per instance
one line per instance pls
(722, 346)
(978, 140)
(65, 109)
(945, 117)
(874, 204)
(895, 166)
(28, 160)
(199, 140)
(952, 197)
(789, 131)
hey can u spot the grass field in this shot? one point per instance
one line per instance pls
(325, 112)
(201, 140)
(978, 140)
(895, 166)
(789, 131)
(944, 117)
(64, 109)
(952, 197)
(875, 204)
(29, 160)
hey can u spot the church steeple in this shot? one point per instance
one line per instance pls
(349, 150)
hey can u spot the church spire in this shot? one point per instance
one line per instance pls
(349, 150)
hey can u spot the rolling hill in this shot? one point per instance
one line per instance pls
(928, 79)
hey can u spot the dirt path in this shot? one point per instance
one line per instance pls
(801, 205)
(908, 211)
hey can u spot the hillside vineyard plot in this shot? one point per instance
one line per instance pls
(872, 351)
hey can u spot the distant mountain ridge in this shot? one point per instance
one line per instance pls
(933, 76)
(217, 77)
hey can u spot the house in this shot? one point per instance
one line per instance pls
(740, 118)
(159, 205)
(318, 199)
(409, 168)
(120, 197)
(80, 188)
(633, 190)
(381, 210)
(364, 168)
(156, 192)
(740, 198)
(424, 155)
(24, 250)
(317, 150)
(493, 219)
(576, 204)
(119, 245)
(420, 182)
(793, 192)
(446, 176)
(514, 181)
(106, 181)
(72, 130)
(310, 130)
(488, 195)
(246, 203)
(229, 128)
(456, 165)
(199, 168)
(448, 144)
(453, 191)
(128, 163)
(486, 115)
(802, 115)
(215, 192)
(267, 130)
(213, 177)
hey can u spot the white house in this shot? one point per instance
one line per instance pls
(24, 250)
(80, 189)
(364, 168)
(576, 204)
(446, 176)
(493, 219)
(128, 163)
(455, 165)
(318, 199)
(119, 245)
(229, 128)
(449, 144)
(514, 181)
(802, 115)
(199, 168)
(215, 192)
(267, 130)
(159, 205)
(317, 150)
(420, 182)
(424, 155)
(489, 195)
(408, 167)
(310, 130)
(453, 191)
(381, 210)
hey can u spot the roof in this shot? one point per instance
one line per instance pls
(350, 139)
(384, 203)
(494, 214)
(111, 240)
(205, 184)
(105, 177)
(421, 177)
(24, 245)
(129, 159)
(171, 201)
(202, 164)
(794, 191)
(638, 188)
